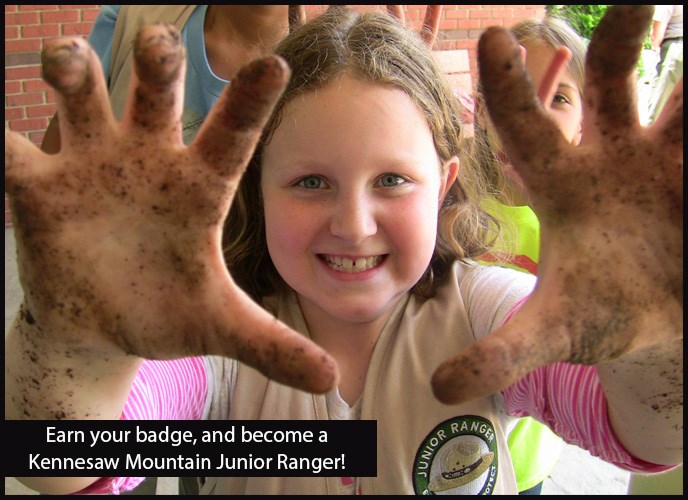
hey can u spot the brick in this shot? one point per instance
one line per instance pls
(467, 24)
(466, 44)
(61, 16)
(41, 31)
(11, 33)
(41, 111)
(24, 99)
(456, 34)
(76, 29)
(30, 45)
(35, 85)
(478, 14)
(22, 59)
(502, 14)
(447, 24)
(29, 124)
(36, 137)
(527, 13)
(89, 15)
(39, 7)
(456, 14)
(486, 23)
(445, 45)
(13, 87)
(22, 73)
(21, 19)
(14, 114)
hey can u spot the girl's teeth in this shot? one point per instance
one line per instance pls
(347, 265)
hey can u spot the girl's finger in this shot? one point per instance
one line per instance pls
(398, 12)
(529, 138)
(555, 70)
(230, 132)
(610, 103)
(499, 360)
(259, 340)
(431, 24)
(22, 161)
(156, 93)
(297, 17)
(73, 69)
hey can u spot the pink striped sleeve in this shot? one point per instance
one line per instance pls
(162, 390)
(570, 400)
(168, 390)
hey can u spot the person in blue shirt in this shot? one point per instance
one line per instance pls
(218, 39)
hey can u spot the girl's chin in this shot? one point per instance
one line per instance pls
(360, 310)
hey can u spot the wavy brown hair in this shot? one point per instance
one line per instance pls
(373, 47)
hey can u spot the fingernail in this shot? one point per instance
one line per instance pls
(64, 64)
(267, 70)
(158, 53)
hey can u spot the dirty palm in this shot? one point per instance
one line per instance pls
(119, 235)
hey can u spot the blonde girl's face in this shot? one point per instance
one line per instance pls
(567, 106)
(352, 184)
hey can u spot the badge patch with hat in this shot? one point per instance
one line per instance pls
(459, 456)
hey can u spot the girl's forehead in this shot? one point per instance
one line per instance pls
(349, 92)
(344, 83)
(352, 118)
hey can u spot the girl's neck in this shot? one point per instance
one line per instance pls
(237, 34)
(248, 25)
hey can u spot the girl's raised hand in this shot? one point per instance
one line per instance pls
(611, 211)
(119, 235)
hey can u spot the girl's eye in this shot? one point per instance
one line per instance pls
(391, 180)
(561, 99)
(311, 182)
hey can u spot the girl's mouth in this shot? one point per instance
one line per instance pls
(352, 264)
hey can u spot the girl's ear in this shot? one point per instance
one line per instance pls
(450, 170)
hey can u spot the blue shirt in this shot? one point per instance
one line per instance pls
(202, 86)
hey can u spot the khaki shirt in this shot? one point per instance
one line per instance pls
(422, 444)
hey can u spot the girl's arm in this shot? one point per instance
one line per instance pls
(119, 238)
(644, 392)
(570, 400)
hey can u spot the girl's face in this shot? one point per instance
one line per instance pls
(566, 107)
(352, 185)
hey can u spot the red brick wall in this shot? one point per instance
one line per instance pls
(29, 102)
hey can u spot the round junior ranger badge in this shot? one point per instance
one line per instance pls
(459, 457)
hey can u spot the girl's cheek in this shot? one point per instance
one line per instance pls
(415, 223)
(568, 122)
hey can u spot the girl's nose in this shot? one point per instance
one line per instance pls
(352, 218)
